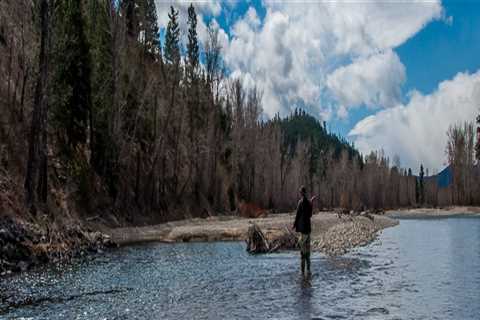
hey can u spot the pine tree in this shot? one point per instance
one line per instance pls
(150, 29)
(130, 12)
(192, 47)
(408, 179)
(103, 152)
(193, 98)
(421, 185)
(71, 86)
(172, 38)
(191, 70)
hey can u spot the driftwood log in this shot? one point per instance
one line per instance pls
(260, 242)
(256, 240)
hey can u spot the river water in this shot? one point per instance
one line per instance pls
(421, 269)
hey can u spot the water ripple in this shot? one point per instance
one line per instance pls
(418, 270)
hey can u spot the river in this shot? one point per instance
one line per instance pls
(421, 269)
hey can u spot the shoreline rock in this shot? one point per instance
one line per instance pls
(340, 239)
(24, 245)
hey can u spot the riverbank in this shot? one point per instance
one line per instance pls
(331, 234)
(426, 213)
(24, 244)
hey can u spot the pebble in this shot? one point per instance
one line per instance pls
(341, 238)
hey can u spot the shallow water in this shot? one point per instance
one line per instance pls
(421, 269)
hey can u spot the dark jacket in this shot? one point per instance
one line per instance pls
(303, 222)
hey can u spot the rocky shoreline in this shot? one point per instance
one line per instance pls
(24, 245)
(341, 238)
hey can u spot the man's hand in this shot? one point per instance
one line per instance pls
(313, 198)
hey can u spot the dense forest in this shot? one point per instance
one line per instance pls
(100, 116)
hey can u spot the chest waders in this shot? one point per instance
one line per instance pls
(305, 252)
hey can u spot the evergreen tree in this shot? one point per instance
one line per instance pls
(193, 98)
(103, 151)
(150, 29)
(71, 86)
(408, 174)
(130, 12)
(421, 185)
(172, 38)
(192, 47)
(191, 71)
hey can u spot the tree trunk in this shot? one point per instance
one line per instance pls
(37, 164)
(22, 95)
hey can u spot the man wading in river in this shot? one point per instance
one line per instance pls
(303, 225)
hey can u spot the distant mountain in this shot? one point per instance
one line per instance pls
(445, 177)
(301, 126)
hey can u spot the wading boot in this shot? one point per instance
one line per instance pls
(303, 263)
(307, 257)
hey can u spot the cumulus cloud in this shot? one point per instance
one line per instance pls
(366, 26)
(417, 130)
(373, 81)
(305, 54)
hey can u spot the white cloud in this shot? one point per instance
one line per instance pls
(367, 26)
(417, 131)
(374, 81)
(298, 46)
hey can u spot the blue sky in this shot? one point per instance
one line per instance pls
(386, 75)
(441, 50)
(436, 53)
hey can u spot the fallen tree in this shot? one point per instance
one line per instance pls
(258, 242)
